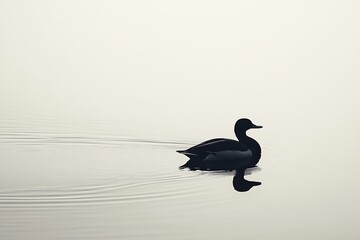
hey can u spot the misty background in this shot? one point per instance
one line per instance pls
(180, 61)
(185, 71)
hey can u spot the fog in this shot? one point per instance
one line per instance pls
(186, 71)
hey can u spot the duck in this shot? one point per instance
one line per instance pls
(223, 153)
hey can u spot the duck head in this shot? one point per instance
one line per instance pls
(244, 124)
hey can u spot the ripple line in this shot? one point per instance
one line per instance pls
(147, 189)
(52, 138)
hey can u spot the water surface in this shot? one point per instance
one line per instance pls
(76, 180)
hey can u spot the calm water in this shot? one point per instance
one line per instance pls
(76, 179)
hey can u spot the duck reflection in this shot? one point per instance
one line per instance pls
(240, 184)
(227, 154)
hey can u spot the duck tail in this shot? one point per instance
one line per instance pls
(186, 153)
(184, 166)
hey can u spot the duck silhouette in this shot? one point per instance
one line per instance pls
(225, 154)
(240, 184)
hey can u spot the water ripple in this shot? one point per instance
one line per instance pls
(52, 131)
(135, 190)
(55, 138)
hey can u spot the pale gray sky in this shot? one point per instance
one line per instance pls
(174, 59)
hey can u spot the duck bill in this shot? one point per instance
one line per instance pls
(256, 126)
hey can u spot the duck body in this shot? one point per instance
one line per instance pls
(217, 154)
(223, 153)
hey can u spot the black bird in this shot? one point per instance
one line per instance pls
(225, 154)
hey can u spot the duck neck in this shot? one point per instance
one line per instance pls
(252, 145)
